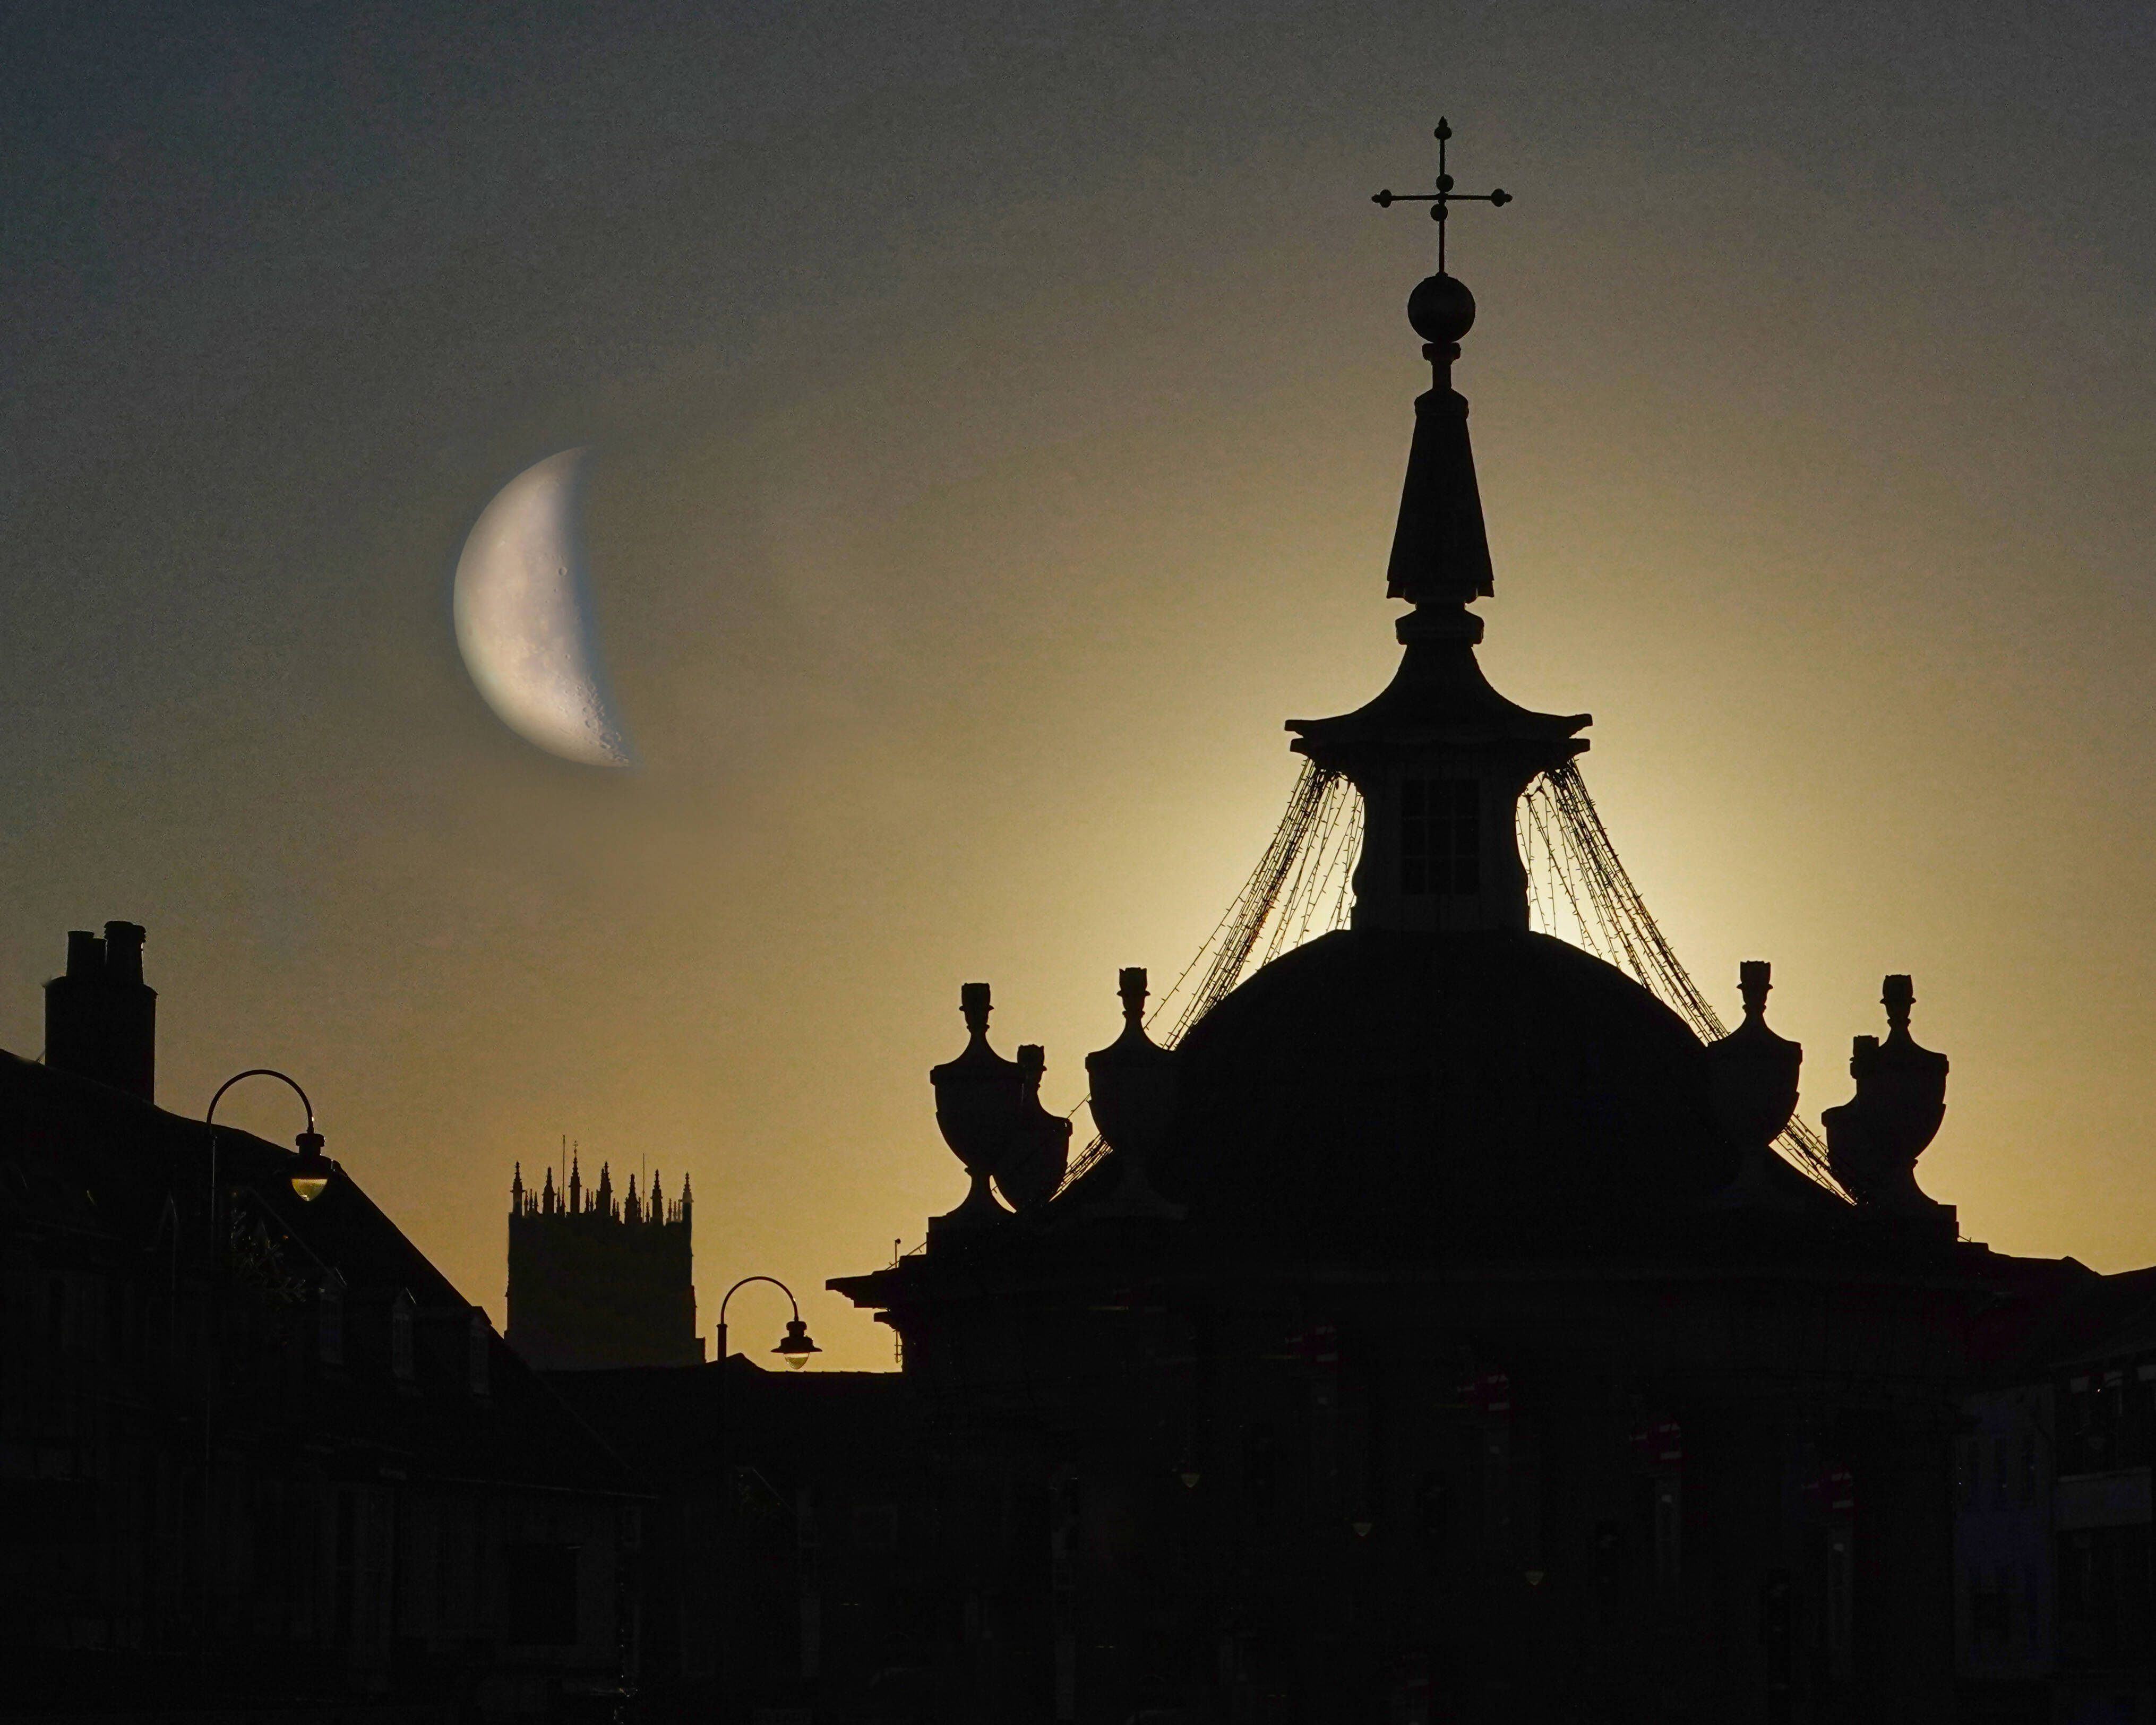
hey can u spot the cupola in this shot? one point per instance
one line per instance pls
(1440, 757)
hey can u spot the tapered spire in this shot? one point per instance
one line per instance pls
(1440, 548)
(1440, 757)
(1440, 552)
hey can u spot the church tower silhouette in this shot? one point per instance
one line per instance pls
(594, 1281)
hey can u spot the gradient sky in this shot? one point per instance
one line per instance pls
(1000, 411)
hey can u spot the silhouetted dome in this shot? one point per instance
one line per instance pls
(1456, 1089)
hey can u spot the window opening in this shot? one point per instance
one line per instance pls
(1440, 836)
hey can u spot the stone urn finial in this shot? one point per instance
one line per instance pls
(1752, 1082)
(979, 1098)
(1134, 1085)
(1031, 1171)
(1874, 1139)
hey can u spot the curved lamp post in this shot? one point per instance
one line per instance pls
(311, 1170)
(796, 1348)
(309, 1174)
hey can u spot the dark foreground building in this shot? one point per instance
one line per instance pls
(2056, 1583)
(811, 1559)
(265, 1461)
(1441, 1337)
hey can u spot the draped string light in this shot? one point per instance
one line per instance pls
(1577, 890)
(1299, 885)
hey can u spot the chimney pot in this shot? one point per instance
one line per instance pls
(123, 952)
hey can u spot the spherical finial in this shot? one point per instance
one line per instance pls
(1441, 309)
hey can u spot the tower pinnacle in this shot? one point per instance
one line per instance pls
(1441, 550)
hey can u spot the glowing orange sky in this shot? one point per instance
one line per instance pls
(1000, 419)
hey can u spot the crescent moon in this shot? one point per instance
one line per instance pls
(524, 617)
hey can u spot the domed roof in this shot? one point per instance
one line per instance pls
(1400, 1089)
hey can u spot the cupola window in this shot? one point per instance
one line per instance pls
(1440, 836)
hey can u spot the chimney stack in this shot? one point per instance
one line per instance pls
(101, 1017)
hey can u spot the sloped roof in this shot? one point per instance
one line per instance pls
(116, 1175)
(2097, 1317)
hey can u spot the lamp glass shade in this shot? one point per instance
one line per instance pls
(797, 1347)
(311, 1170)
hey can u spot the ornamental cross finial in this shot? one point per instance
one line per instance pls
(1445, 195)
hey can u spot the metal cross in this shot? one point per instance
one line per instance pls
(1444, 195)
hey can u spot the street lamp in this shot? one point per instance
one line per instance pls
(310, 1174)
(311, 1169)
(796, 1348)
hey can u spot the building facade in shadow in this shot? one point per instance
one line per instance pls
(807, 1558)
(1441, 1337)
(2056, 1571)
(259, 1458)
